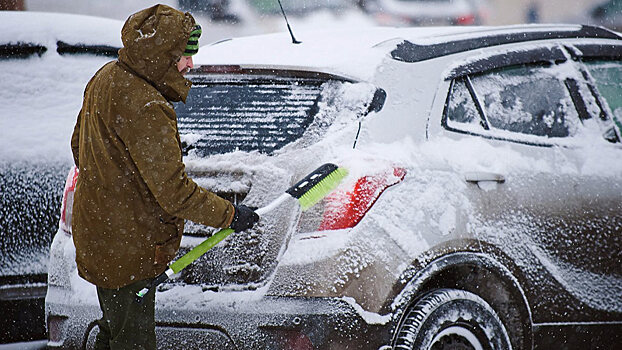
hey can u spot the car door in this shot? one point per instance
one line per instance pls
(544, 200)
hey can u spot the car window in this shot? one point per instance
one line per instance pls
(608, 78)
(517, 100)
(461, 110)
(255, 115)
(264, 113)
(528, 100)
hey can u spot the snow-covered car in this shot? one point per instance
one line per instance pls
(482, 210)
(427, 12)
(298, 7)
(217, 10)
(45, 62)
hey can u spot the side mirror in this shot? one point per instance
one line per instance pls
(377, 101)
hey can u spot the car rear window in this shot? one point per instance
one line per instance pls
(247, 114)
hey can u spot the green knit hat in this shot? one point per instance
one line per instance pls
(193, 42)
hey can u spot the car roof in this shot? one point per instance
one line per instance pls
(42, 28)
(357, 52)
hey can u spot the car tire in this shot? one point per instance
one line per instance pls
(451, 319)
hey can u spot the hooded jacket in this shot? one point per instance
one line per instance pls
(133, 192)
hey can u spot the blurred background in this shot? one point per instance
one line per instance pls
(230, 18)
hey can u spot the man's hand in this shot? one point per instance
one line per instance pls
(244, 218)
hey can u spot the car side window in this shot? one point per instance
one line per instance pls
(608, 78)
(527, 100)
(508, 102)
(461, 110)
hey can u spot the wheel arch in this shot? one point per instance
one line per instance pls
(480, 274)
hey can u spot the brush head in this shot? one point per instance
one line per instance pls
(320, 189)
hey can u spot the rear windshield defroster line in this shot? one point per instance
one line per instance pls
(248, 115)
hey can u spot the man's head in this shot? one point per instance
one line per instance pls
(185, 62)
(154, 40)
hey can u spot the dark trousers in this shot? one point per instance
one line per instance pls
(126, 324)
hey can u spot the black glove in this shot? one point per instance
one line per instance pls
(244, 218)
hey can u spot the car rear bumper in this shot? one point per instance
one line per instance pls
(229, 322)
(22, 304)
(23, 291)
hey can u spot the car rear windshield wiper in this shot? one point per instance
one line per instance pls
(101, 50)
(21, 50)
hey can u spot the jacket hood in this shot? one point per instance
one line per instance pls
(153, 40)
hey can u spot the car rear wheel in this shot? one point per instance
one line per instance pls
(451, 319)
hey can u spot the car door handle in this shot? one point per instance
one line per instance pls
(479, 176)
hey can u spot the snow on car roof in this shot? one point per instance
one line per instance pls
(48, 28)
(354, 53)
(41, 95)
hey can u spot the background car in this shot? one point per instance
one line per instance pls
(483, 205)
(217, 10)
(298, 7)
(427, 12)
(45, 62)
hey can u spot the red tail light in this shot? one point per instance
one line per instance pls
(346, 208)
(70, 187)
(465, 20)
(297, 341)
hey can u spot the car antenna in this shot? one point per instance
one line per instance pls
(294, 41)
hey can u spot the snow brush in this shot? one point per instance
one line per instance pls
(308, 191)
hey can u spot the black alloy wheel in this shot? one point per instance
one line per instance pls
(451, 319)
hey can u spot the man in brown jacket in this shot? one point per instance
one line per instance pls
(133, 193)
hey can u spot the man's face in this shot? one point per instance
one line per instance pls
(185, 64)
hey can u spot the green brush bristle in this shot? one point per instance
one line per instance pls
(322, 189)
